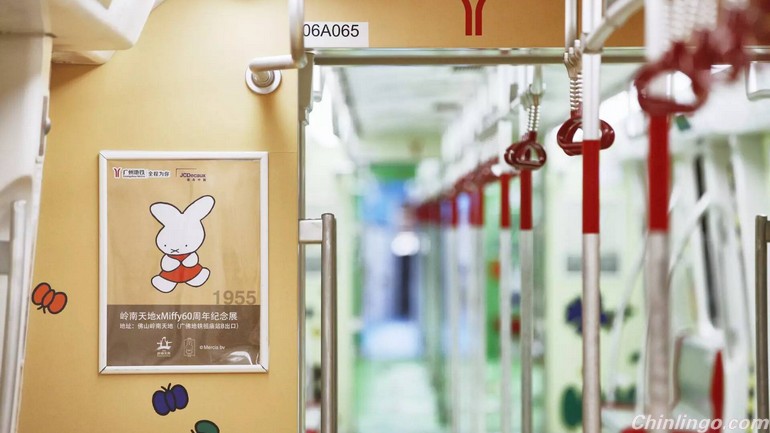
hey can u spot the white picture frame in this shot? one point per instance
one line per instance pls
(137, 157)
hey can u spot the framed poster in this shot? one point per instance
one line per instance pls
(183, 262)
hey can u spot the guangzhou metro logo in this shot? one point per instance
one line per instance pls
(474, 17)
(139, 173)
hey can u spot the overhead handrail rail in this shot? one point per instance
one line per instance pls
(616, 16)
(263, 75)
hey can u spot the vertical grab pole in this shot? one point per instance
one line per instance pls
(504, 134)
(15, 334)
(454, 316)
(762, 238)
(329, 324)
(479, 277)
(570, 22)
(526, 245)
(506, 278)
(658, 325)
(527, 155)
(656, 266)
(592, 14)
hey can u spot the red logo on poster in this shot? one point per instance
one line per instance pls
(472, 17)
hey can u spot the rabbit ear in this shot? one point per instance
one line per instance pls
(200, 208)
(164, 212)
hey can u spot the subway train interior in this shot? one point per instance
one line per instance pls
(444, 216)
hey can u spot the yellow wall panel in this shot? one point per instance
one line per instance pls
(442, 23)
(181, 88)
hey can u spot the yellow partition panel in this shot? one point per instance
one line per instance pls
(180, 89)
(462, 23)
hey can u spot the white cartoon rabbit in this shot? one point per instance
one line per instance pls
(179, 238)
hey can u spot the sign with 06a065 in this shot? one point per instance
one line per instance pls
(331, 34)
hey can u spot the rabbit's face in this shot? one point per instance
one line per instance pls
(182, 232)
(180, 239)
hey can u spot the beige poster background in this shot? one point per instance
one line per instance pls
(231, 249)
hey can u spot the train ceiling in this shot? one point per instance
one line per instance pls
(400, 112)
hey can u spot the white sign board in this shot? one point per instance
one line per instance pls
(333, 34)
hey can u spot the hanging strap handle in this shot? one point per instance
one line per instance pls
(725, 45)
(677, 59)
(526, 154)
(565, 137)
(761, 21)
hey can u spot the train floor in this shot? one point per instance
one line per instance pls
(400, 397)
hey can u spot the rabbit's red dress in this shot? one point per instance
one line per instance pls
(182, 274)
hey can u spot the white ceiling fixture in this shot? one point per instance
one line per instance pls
(83, 31)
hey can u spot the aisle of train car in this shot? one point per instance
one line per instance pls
(385, 132)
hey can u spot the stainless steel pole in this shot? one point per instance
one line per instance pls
(591, 69)
(477, 288)
(526, 245)
(506, 280)
(657, 354)
(762, 238)
(570, 22)
(15, 322)
(658, 328)
(328, 324)
(455, 307)
(301, 272)
(526, 256)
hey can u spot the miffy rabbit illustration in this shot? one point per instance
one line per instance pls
(180, 237)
